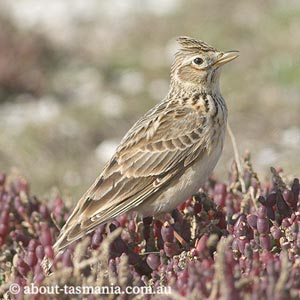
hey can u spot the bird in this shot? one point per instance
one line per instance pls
(168, 153)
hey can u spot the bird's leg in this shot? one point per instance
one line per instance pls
(180, 239)
(167, 218)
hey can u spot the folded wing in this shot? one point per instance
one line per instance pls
(155, 150)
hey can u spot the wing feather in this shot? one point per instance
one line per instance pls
(156, 150)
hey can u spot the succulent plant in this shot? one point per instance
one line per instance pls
(229, 249)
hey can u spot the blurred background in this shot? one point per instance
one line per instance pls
(75, 75)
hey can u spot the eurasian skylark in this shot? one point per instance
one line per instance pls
(168, 154)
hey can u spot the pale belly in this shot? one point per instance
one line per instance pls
(187, 185)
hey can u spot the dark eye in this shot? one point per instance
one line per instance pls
(198, 61)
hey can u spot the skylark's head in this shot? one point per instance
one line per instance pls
(197, 64)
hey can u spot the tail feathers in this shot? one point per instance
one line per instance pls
(69, 235)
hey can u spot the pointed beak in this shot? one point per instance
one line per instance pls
(226, 57)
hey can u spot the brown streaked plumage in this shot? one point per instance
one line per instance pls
(167, 154)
